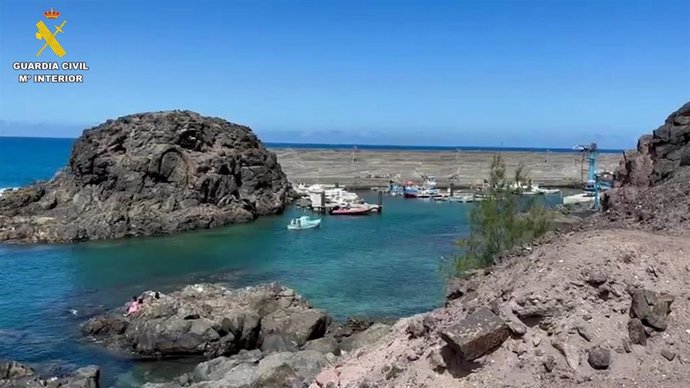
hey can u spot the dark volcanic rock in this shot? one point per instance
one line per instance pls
(652, 183)
(476, 335)
(372, 334)
(146, 174)
(599, 357)
(651, 308)
(14, 374)
(210, 320)
(277, 370)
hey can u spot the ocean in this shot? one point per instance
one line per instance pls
(386, 265)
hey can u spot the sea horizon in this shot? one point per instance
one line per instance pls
(380, 147)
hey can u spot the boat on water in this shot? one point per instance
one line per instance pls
(303, 223)
(532, 189)
(350, 211)
(427, 190)
(578, 198)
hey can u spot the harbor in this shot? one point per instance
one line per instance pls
(336, 199)
(361, 169)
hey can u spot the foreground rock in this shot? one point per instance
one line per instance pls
(13, 374)
(210, 320)
(146, 174)
(476, 335)
(249, 370)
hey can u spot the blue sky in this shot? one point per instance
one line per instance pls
(513, 73)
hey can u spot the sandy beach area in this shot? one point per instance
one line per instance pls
(375, 167)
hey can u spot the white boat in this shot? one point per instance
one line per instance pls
(578, 198)
(532, 189)
(303, 223)
(544, 190)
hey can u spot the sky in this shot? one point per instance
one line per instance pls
(469, 73)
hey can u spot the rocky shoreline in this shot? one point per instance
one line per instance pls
(266, 335)
(601, 303)
(15, 375)
(149, 174)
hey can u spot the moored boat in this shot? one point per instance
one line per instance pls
(350, 211)
(303, 223)
(578, 198)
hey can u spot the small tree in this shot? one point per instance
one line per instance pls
(500, 222)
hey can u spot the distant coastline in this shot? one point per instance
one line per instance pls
(426, 148)
(372, 147)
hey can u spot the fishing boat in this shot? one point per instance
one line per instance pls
(578, 198)
(303, 223)
(544, 190)
(350, 211)
(462, 198)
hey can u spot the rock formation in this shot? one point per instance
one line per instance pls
(14, 374)
(210, 320)
(652, 182)
(146, 174)
(260, 336)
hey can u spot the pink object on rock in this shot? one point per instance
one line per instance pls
(326, 377)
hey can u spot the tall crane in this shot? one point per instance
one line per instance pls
(591, 152)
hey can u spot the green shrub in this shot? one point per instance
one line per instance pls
(501, 221)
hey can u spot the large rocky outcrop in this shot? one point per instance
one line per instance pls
(651, 183)
(14, 374)
(209, 320)
(145, 174)
(260, 336)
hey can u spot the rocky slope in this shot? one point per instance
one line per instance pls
(599, 308)
(145, 174)
(15, 375)
(652, 182)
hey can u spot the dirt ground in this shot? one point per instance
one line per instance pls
(553, 280)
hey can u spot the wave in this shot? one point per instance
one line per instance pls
(3, 189)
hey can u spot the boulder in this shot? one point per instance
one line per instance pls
(211, 320)
(287, 370)
(148, 174)
(302, 325)
(279, 343)
(599, 357)
(651, 308)
(14, 374)
(569, 351)
(220, 367)
(636, 332)
(323, 345)
(369, 336)
(476, 335)
(246, 370)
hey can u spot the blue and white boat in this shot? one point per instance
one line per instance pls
(303, 222)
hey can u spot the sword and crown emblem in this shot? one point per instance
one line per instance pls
(49, 37)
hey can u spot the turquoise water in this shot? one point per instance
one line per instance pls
(382, 265)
